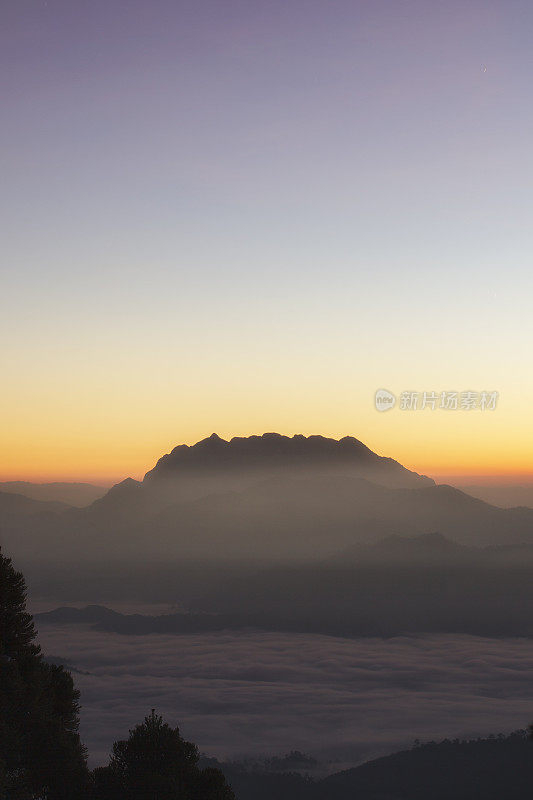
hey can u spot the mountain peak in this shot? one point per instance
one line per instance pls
(124, 495)
(211, 441)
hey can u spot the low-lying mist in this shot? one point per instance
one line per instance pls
(260, 693)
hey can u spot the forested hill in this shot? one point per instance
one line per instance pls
(495, 768)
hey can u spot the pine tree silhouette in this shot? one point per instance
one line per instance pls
(40, 750)
(155, 763)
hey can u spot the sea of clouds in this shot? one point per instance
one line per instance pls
(259, 693)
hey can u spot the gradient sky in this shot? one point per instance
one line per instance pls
(244, 216)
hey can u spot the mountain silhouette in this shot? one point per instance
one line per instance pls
(272, 451)
(214, 465)
(268, 497)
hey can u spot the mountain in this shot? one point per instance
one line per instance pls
(214, 465)
(125, 501)
(281, 496)
(493, 768)
(73, 494)
(311, 518)
(15, 506)
(261, 498)
(276, 452)
(273, 454)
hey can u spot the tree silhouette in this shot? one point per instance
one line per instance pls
(155, 763)
(40, 751)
